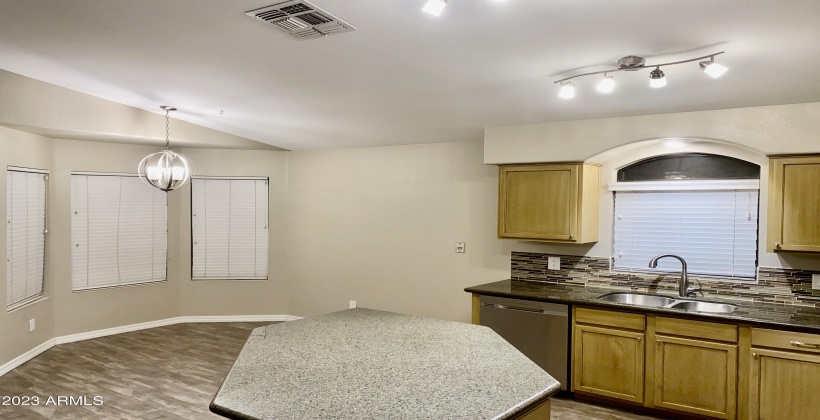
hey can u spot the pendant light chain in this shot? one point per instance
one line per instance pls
(167, 130)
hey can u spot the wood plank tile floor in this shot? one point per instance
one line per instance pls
(166, 373)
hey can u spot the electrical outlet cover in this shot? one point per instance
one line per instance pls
(352, 304)
(32, 325)
(554, 263)
(815, 281)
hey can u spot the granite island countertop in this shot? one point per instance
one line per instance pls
(790, 317)
(368, 364)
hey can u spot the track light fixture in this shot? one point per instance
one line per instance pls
(713, 69)
(657, 78)
(606, 85)
(567, 90)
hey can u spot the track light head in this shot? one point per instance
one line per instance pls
(434, 7)
(657, 79)
(567, 90)
(713, 69)
(606, 85)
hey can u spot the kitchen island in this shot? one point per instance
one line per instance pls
(368, 364)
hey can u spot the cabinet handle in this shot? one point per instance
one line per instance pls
(572, 236)
(806, 345)
(640, 338)
(754, 355)
(777, 245)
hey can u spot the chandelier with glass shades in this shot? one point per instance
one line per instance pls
(657, 78)
(166, 170)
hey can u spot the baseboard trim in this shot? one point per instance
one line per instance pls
(25, 357)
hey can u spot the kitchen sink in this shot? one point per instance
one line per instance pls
(637, 299)
(698, 306)
(656, 301)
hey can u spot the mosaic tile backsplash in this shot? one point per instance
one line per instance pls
(774, 285)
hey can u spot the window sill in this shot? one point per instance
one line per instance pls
(22, 305)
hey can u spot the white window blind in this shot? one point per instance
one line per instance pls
(229, 228)
(118, 231)
(714, 231)
(25, 235)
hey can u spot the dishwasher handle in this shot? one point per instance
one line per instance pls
(520, 309)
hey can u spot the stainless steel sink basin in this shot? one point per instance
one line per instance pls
(637, 299)
(698, 306)
(656, 301)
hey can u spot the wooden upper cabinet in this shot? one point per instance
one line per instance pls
(549, 202)
(794, 204)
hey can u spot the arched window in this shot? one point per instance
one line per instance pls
(701, 207)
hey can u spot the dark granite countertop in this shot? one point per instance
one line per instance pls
(367, 364)
(790, 317)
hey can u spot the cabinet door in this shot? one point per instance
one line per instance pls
(794, 204)
(783, 385)
(608, 362)
(696, 376)
(538, 202)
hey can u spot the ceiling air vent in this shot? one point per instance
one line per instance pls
(301, 19)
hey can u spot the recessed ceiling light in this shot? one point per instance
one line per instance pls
(434, 7)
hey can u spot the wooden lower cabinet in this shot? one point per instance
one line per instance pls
(784, 375)
(696, 376)
(608, 362)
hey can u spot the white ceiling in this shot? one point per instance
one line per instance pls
(405, 76)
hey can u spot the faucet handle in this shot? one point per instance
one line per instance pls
(693, 290)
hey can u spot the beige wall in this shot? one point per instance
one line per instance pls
(767, 129)
(379, 225)
(91, 310)
(31, 105)
(65, 312)
(26, 150)
(249, 297)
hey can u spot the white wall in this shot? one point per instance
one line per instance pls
(378, 225)
(770, 130)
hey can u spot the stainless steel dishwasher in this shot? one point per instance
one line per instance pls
(539, 330)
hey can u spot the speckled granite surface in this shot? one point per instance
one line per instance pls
(367, 364)
(791, 317)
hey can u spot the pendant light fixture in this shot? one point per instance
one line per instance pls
(166, 170)
(657, 78)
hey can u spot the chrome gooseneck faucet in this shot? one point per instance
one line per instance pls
(683, 287)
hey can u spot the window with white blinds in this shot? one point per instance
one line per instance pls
(25, 235)
(229, 228)
(119, 231)
(715, 231)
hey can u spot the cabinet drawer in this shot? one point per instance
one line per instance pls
(786, 340)
(696, 329)
(623, 320)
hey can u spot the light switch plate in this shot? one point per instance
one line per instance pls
(815, 281)
(32, 325)
(352, 304)
(554, 263)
